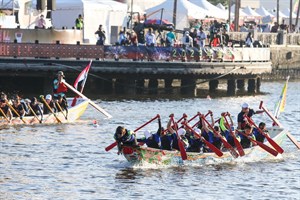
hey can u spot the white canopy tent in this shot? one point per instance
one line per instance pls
(281, 15)
(95, 12)
(242, 13)
(214, 11)
(221, 6)
(286, 12)
(263, 12)
(185, 11)
(250, 12)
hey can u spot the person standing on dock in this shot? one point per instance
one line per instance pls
(79, 22)
(59, 88)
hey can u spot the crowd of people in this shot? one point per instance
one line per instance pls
(17, 107)
(192, 139)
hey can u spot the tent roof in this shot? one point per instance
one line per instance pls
(280, 14)
(76, 4)
(213, 11)
(286, 12)
(263, 12)
(250, 12)
(221, 6)
(242, 13)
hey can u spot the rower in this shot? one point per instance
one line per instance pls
(195, 143)
(124, 137)
(245, 142)
(36, 106)
(50, 102)
(249, 112)
(18, 107)
(5, 108)
(260, 137)
(151, 140)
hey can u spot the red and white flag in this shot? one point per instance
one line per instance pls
(82, 77)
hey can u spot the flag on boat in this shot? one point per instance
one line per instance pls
(82, 77)
(279, 107)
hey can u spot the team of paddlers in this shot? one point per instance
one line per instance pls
(17, 107)
(192, 137)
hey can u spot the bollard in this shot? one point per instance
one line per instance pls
(78, 43)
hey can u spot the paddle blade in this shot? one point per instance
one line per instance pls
(275, 145)
(111, 146)
(182, 150)
(293, 139)
(238, 146)
(230, 148)
(213, 148)
(267, 148)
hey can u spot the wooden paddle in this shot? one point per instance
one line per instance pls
(45, 102)
(90, 101)
(262, 145)
(226, 144)
(34, 114)
(290, 136)
(180, 142)
(61, 110)
(115, 143)
(270, 140)
(4, 115)
(12, 108)
(210, 146)
(198, 114)
(236, 142)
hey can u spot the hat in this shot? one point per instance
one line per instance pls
(181, 131)
(245, 105)
(48, 96)
(147, 134)
(60, 73)
(197, 130)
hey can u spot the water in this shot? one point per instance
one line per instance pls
(69, 161)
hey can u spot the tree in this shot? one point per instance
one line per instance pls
(215, 2)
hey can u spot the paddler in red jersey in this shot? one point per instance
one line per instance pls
(59, 88)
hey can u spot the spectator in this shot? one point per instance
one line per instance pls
(170, 38)
(274, 28)
(249, 40)
(150, 38)
(187, 40)
(79, 22)
(201, 37)
(122, 38)
(41, 23)
(101, 36)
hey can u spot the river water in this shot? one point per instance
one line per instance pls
(69, 161)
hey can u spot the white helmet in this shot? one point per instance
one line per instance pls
(49, 97)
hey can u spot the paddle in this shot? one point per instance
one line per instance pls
(262, 145)
(34, 114)
(61, 110)
(290, 136)
(45, 102)
(226, 144)
(211, 146)
(270, 140)
(199, 114)
(4, 115)
(180, 142)
(176, 124)
(12, 108)
(115, 143)
(236, 142)
(90, 101)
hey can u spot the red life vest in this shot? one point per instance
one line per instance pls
(61, 88)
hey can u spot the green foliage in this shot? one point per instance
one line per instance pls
(215, 2)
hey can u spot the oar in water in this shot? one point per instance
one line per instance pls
(236, 142)
(115, 143)
(290, 136)
(180, 142)
(12, 108)
(90, 101)
(270, 140)
(34, 114)
(262, 145)
(50, 109)
(226, 144)
(4, 115)
(61, 110)
(210, 146)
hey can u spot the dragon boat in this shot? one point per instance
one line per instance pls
(74, 113)
(142, 154)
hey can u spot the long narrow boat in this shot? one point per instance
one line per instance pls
(144, 154)
(74, 113)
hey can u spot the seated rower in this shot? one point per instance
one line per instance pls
(124, 137)
(195, 143)
(181, 133)
(227, 128)
(18, 107)
(62, 103)
(50, 102)
(166, 140)
(260, 137)
(5, 110)
(212, 137)
(245, 142)
(151, 140)
(36, 107)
